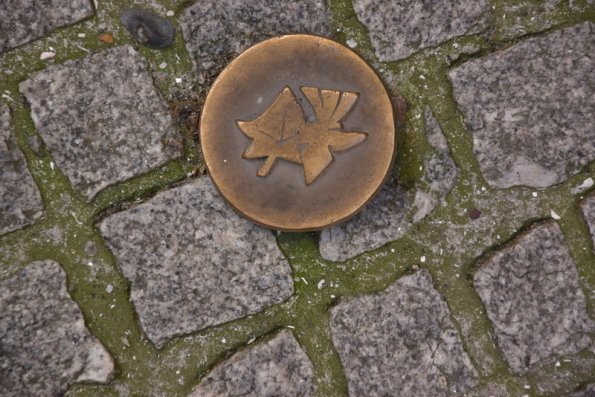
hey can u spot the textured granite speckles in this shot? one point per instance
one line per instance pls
(102, 118)
(588, 207)
(533, 298)
(278, 367)
(589, 391)
(218, 30)
(393, 211)
(20, 202)
(193, 262)
(399, 28)
(530, 108)
(401, 342)
(45, 344)
(382, 220)
(441, 171)
(524, 17)
(24, 20)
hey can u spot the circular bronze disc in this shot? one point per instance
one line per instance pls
(298, 133)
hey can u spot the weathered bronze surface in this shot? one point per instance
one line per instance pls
(298, 133)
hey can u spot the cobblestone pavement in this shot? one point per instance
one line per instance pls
(124, 273)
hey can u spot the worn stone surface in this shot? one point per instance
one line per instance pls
(401, 342)
(589, 391)
(278, 367)
(382, 220)
(193, 262)
(102, 118)
(24, 20)
(588, 207)
(523, 18)
(391, 213)
(217, 31)
(45, 344)
(526, 132)
(533, 298)
(20, 202)
(398, 28)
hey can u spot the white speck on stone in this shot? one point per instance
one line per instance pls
(109, 288)
(534, 194)
(170, 13)
(81, 35)
(163, 65)
(423, 259)
(47, 55)
(351, 43)
(259, 100)
(321, 284)
(554, 215)
(587, 183)
(225, 160)
(178, 80)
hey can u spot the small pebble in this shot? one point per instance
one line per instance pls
(109, 288)
(474, 213)
(351, 43)
(534, 194)
(423, 259)
(90, 248)
(47, 55)
(554, 215)
(170, 13)
(148, 28)
(162, 65)
(106, 38)
(178, 80)
(321, 284)
(82, 35)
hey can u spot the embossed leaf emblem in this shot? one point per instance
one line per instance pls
(282, 131)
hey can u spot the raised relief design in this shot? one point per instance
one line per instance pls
(282, 132)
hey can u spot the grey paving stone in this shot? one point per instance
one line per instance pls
(386, 218)
(20, 202)
(278, 367)
(525, 17)
(24, 20)
(589, 391)
(588, 207)
(193, 262)
(401, 342)
(398, 28)
(102, 118)
(533, 298)
(394, 210)
(217, 30)
(45, 344)
(530, 108)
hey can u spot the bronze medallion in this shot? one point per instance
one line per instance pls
(297, 133)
